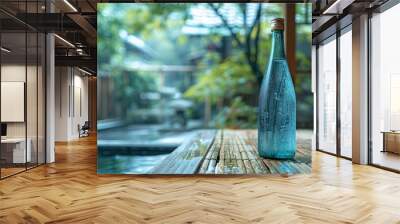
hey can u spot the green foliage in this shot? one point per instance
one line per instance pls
(305, 99)
(223, 81)
(148, 21)
(224, 78)
(237, 115)
(133, 85)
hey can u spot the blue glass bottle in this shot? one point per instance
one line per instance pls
(277, 103)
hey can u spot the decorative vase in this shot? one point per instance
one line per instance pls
(277, 103)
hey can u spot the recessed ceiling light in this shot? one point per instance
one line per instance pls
(84, 71)
(337, 7)
(70, 5)
(5, 50)
(64, 40)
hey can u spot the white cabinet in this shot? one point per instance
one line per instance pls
(19, 155)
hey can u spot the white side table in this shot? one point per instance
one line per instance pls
(19, 153)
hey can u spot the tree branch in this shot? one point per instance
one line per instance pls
(247, 36)
(253, 58)
(257, 19)
(243, 7)
(257, 38)
(226, 24)
(256, 41)
(248, 44)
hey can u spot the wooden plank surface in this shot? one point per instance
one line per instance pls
(230, 152)
(235, 152)
(187, 158)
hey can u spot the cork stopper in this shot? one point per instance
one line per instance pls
(277, 24)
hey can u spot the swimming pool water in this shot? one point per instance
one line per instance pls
(127, 164)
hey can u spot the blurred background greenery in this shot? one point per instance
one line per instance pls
(188, 66)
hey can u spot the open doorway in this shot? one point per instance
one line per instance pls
(73, 102)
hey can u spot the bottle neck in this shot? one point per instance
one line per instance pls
(278, 50)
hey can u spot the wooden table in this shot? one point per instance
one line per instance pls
(231, 152)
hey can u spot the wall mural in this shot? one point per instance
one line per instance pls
(203, 89)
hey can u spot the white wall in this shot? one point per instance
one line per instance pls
(80, 110)
(62, 81)
(13, 73)
(71, 94)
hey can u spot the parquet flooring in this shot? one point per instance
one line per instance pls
(11, 170)
(70, 191)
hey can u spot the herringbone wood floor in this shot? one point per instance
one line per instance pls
(69, 191)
